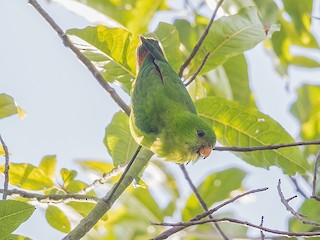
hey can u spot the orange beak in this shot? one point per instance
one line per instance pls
(205, 151)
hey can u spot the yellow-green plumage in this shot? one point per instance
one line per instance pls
(163, 117)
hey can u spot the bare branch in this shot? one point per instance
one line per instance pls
(200, 199)
(198, 45)
(199, 69)
(315, 174)
(298, 189)
(6, 169)
(298, 216)
(68, 43)
(105, 177)
(268, 147)
(52, 198)
(176, 229)
(114, 189)
(261, 232)
(240, 222)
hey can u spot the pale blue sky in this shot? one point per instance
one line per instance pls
(68, 110)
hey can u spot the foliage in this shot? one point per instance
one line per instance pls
(222, 95)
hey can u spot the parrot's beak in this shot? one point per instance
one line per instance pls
(205, 151)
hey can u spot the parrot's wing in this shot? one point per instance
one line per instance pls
(158, 92)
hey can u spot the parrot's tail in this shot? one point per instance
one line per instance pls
(143, 50)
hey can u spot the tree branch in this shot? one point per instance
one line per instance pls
(198, 45)
(240, 222)
(105, 177)
(298, 216)
(6, 169)
(200, 199)
(199, 69)
(268, 147)
(135, 166)
(52, 198)
(314, 182)
(176, 229)
(68, 43)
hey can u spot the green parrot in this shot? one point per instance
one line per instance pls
(163, 117)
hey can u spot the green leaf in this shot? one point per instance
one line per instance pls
(240, 126)
(216, 187)
(9, 107)
(27, 176)
(57, 219)
(228, 37)
(311, 210)
(134, 15)
(236, 70)
(97, 166)
(187, 34)
(118, 140)
(307, 111)
(268, 10)
(168, 35)
(13, 214)
(303, 61)
(14, 237)
(48, 165)
(112, 51)
(68, 175)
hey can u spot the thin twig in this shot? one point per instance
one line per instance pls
(261, 232)
(198, 45)
(298, 216)
(200, 199)
(315, 174)
(199, 69)
(298, 189)
(6, 169)
(268, 147)
(114, 189)
(52, 198)
(243, 223)
(176, 229)
(68, 43)
(105, 177)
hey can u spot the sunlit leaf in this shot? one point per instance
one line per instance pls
(216, 187)
(97, 166)
(49, 164)
(67, 175)
(27, 176)
(57, 219)
(112, 51)
(12, 215)
(307, 111)
(168, 35)
(303, 61)
(14, 237)
(237, 125)
(228, 37)
(7, 106)
(134, 15)
(118, 140)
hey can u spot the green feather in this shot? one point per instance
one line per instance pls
(163, 116)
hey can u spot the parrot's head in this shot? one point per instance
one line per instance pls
(202, 137)
(188, 139)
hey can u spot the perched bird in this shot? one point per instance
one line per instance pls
(163, 117)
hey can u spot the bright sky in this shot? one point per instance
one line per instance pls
(68, 110)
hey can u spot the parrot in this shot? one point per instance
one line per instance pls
(163, 117)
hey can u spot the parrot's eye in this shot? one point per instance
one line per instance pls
(200, 133)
